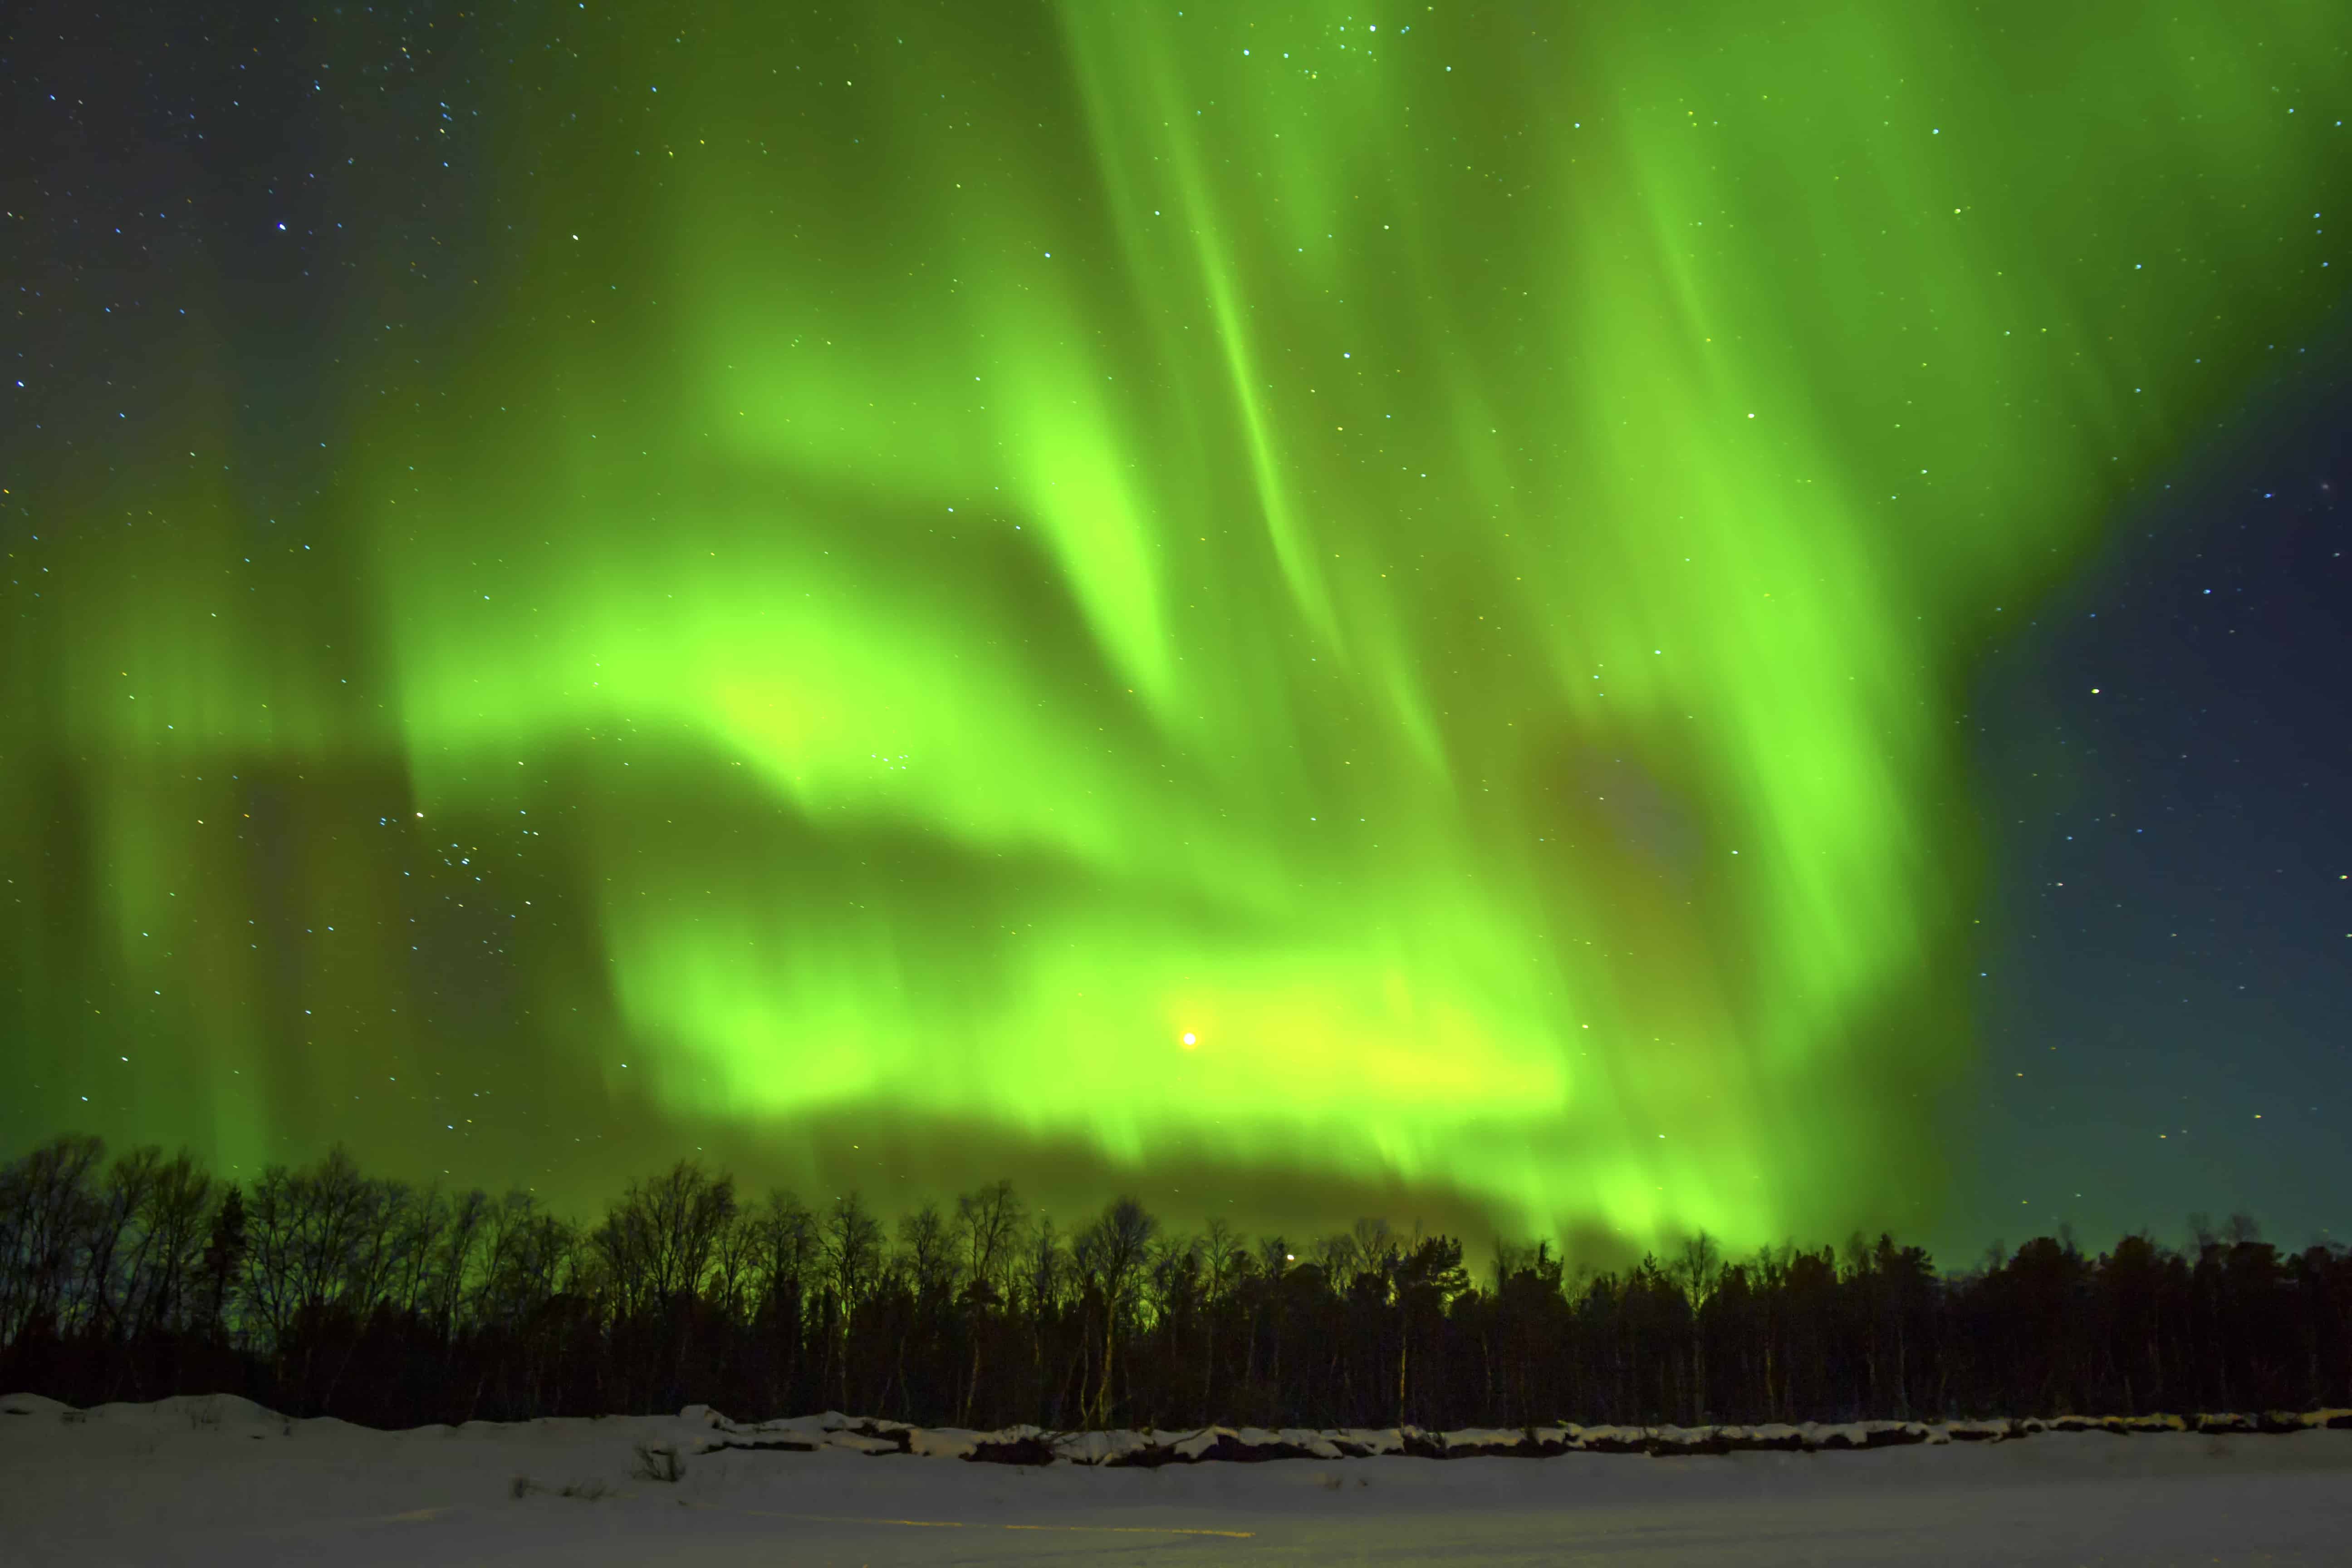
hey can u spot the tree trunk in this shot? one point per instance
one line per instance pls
(1405, 1350)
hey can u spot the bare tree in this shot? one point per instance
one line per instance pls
(173, 1224)
(735, 1265)
(853, 1256)
(988, 1223)
(108, 1265)
(271, 1280)
(791, 1249)
(1698, 1269)
(1040, 1287)
(1222, 1255)
(927, 1253)
(1225, 1260)
(853, 1248)
(1044, 1268)
(227, 1246)
(465, 1234)
(1111, 1253)
(987, 1220)
(46, 1195)
(789, 1267)
(659, 1238)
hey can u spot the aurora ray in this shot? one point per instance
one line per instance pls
(1274, 589)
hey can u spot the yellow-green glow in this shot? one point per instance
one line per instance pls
(1236, 586)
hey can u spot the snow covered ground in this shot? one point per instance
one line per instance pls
(219, 1480)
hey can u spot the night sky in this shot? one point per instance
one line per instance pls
(1573, 621)
(2165, 767)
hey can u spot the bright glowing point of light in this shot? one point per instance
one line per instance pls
(1188, 1038)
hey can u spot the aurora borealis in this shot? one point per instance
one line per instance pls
(1359, 608)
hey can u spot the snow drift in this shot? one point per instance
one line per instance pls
(1037, 1446)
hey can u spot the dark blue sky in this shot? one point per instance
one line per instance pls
(2165, 765)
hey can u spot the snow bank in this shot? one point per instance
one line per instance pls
(201, 1482)
(699, 1429)
(1119, 1449)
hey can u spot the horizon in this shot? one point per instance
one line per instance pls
(2198, 1230)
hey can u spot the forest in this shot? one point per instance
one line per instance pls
(324, 1291)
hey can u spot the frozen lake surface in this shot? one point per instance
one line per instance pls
(221, 1482)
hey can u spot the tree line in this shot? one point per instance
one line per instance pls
(323, 1291)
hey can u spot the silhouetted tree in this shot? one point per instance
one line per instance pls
(1110, 1256)
(320, 1288)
